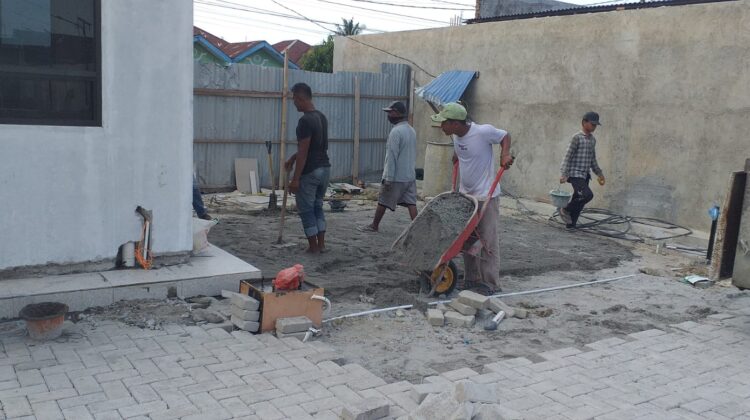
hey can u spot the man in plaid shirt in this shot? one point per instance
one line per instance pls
(579, 160)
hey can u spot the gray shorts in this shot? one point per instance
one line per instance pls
(398, 193)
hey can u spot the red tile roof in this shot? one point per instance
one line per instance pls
(233, 49)
(236, 48)
(296, 51)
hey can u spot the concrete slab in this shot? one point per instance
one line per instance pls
(207, 274)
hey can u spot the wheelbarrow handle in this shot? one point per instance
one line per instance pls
(455, 175)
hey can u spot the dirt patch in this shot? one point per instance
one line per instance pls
(359, 273)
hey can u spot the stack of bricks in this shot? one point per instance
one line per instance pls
(462, 311)
(245, 312)
(296, 327)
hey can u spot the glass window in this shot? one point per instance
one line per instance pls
(50, 62)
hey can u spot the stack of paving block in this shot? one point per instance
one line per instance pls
(462, 311)
(245, 312)
(464, 400)
(296, 327)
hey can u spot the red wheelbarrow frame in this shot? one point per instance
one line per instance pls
(455, 248)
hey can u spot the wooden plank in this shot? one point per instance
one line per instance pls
(282, 149)
(238, 93)
(244, 141)
(741, 269)
(412, 83)
(244, 170)
(727, 227)
(355, 158)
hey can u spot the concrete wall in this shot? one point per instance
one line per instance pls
(68, 194)
(672, 85)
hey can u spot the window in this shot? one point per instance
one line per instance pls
(50, 72)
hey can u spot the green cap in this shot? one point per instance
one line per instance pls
(450, 111)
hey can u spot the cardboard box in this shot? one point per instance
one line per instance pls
(284, 304)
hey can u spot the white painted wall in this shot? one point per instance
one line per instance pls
(68, 194)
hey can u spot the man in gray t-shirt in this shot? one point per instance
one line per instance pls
(398, 185)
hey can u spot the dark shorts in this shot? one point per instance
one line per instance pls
(398, 193)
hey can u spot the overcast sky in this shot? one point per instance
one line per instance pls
(278, 20)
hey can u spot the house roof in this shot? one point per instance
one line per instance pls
(234, 52)
(296, 51)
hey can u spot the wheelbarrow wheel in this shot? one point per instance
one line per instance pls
(449, 280)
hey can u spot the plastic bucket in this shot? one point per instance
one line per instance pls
(44, 321)
(559, 198)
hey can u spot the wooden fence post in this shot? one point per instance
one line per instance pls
(355, 158)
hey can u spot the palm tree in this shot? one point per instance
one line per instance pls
(348, 27)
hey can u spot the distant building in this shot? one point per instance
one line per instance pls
(209, 48)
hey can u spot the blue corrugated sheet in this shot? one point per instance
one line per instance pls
(448, 87)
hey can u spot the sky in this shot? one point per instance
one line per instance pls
(279, 20)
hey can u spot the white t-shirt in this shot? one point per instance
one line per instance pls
(476, 161)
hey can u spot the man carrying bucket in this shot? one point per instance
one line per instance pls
(472, 147)
(579, 160)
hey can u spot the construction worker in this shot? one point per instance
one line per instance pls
(579, 160)
(399, 182)
(312, 168)
(472, 148)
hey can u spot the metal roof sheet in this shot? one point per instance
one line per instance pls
(447, 87)
(609, 7)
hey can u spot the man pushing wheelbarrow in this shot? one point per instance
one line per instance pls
(478, 237)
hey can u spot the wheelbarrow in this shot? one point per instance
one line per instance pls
(439, 232)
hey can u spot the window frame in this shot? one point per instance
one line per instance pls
(97, 97)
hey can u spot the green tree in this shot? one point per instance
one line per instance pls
(348, 27)
(320, 57)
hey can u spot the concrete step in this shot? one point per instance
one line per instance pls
(205, 274)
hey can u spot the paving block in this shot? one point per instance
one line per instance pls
(293, 324)
(251, 326)
(298, 335)
(455, 318)
(244, 302)
(473, 299)
(496, 411)
(421, 391)
(435, 317)
(435, 406)
(462, 308)
(496, 305)
(466, 391)
(245, 315)
(368, 409)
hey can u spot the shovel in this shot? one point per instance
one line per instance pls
(280, 240)
(272, 205)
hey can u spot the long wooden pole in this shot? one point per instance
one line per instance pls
(355, 158)
(411, 98)
(282, 148)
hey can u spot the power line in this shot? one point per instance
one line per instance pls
(380, 11)
(407, 5)
(360, 42)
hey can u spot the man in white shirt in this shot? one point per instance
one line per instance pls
(472, 147)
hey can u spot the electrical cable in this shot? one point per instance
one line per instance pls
(363, 43)
(402, 5)
(607, 223)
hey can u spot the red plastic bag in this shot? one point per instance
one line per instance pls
(289, 278)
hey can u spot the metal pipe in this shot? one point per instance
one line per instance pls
(527, 292)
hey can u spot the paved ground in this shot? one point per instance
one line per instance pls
(106, 370)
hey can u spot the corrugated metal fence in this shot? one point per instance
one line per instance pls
(237, 109)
